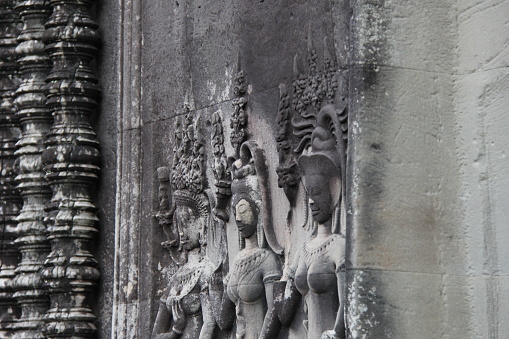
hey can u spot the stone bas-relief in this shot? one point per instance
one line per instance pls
(319, 136)
(246, 295)
(185, 309)
(249, 284)
(318, 269)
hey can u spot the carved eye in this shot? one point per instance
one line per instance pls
(242, 209)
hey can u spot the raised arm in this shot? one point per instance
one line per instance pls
(286, 303)
(276, 304)
(163, 321)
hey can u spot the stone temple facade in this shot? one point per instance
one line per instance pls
(254, 169)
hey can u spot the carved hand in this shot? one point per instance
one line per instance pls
(179, 317)
(216, 280)
(285, 305)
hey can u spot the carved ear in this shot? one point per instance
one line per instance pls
(335, 190)
(259, 206)
(204, 230)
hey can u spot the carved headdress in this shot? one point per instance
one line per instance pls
(250, 181)
(327, 156)
(188, 204)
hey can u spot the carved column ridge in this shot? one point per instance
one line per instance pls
(35, 120)
(10, 201)
(71, 162)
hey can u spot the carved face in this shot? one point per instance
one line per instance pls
(320, 199)
(245, 216)
(189, 227)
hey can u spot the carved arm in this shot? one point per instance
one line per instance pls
(271, 323)
(222, 307)
(209, 324)
(339, 327)
(339, 331)
(162, 325)
(286, 304)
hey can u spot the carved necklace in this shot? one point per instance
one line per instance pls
(311, 253)
(183, 282)
(248, 263)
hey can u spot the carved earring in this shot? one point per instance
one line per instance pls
(203, 232)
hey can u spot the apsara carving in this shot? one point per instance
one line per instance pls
(185, 309)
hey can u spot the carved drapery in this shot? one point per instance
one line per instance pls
(10, 201)
(71, 159)
(35, 120)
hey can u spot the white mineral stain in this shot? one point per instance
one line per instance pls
(212, 88)
(129, 288)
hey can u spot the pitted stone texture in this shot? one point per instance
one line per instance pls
(426, 176)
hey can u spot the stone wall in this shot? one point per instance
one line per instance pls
(418, 94)
(428, 169)
(187, 53)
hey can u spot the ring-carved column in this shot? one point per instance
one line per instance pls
(35, 120)
(71, 161)
(10, 201)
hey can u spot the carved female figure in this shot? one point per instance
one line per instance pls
(185, 310)
(318, 271)
(248, 292)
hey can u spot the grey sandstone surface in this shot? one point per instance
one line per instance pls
(420, 92)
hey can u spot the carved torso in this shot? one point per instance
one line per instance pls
(316, 280)
(185, 288)
(250, 272)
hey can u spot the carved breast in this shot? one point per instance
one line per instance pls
(249, 289)
(185, 291)
(249, 275)
(246, 282)
(317, 270)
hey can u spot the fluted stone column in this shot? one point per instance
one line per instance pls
(35, 119)
(71, 161)
(10, 201)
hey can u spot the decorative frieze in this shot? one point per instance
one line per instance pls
(71, 162)
(238, 121)
(313, 89)
(221, 169)
(10, 200)
(35, 120)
